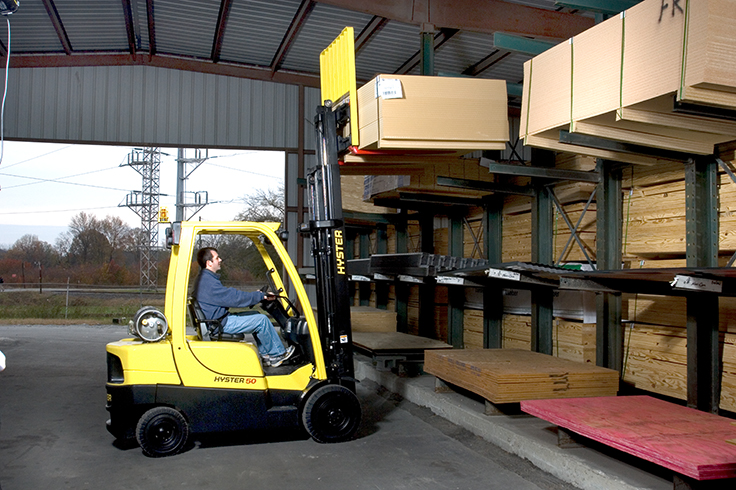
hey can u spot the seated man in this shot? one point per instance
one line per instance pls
(216, 299)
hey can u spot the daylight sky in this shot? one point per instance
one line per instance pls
(43, 185)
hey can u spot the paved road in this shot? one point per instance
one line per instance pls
(52, 410)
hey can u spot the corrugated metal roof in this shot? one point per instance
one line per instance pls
(387, 52)
(98, 29)
(255, 33)
(186, 27)
(255, 30)
(324, 25)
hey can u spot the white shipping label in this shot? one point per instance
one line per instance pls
(504, 274)
(457, 281)
(697, 284)
(389, 88)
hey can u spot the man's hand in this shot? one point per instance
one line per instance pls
(269, 296)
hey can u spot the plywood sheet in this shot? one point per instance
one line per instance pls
(512, 375)
(711, 49)
(688, 441)
(387, 342)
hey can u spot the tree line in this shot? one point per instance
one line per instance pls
(107, 251)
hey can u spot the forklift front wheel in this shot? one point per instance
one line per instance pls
(331, 414)
(162, 431)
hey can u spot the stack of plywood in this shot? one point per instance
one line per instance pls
(367, 319)
(510, 375)
(620, 80)
(423, 179)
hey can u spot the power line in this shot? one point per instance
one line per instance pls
(241, 170)
(59, 210)
(59, 181)
(36, 157)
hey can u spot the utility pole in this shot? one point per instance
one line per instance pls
(185, 166)
(145, 203)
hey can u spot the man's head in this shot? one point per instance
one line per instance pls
(208, 258)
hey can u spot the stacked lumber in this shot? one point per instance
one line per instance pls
(685, 440)
(621, 79)
(571, 340)
(655, 346)
(511, 375)
(367, 319)
(422, 178)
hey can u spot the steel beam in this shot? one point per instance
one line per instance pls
(402, 289)
(542, 253)
(486, 16)
(609, 243)
(369, 31)
(519, 44)
(222, 18)
(493, 295)
(703, 350)
(301, 16)
(164, 61)
(541, 172)
(58, 25)
(455, 294)
(608, 7)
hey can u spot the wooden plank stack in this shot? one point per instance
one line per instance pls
(511, 375)
(620, 80)
(685, 440)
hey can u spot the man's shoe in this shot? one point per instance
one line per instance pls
(278, 360)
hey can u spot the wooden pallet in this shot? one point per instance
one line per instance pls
(512, 375)
(685, 440)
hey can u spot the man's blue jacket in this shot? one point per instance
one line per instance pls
(216, 299)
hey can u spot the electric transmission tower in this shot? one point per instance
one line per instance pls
(188, 162)
(147, 162)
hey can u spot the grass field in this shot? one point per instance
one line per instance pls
(58, 307)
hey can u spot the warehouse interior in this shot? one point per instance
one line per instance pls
(594, 226)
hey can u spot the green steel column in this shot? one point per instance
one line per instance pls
(542, 253)
(455, 294)
(703, 354)
(426, 291)
(493, 295)
(427, 53)
(381, 286)
(402, 290)
(364, 249)
(609, 244)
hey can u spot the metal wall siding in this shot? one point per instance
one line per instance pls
(147, 105)
(312, 100)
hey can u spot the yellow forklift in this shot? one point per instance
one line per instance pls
(164, 384)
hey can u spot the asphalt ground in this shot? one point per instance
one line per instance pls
(52, 435)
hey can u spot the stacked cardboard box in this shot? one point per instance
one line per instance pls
(419, 112)
(620, 80)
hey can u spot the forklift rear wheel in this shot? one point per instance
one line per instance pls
(162, 431)
(331, 414)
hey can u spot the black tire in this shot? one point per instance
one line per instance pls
(331, 414)
(162, 431)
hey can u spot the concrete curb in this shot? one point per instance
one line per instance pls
(522, 435)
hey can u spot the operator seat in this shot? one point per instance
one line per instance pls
(209, 329)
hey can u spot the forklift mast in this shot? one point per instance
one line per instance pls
(327, 231)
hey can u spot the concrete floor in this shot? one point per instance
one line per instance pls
(52, 411)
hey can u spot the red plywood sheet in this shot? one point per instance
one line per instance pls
(688, 441)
